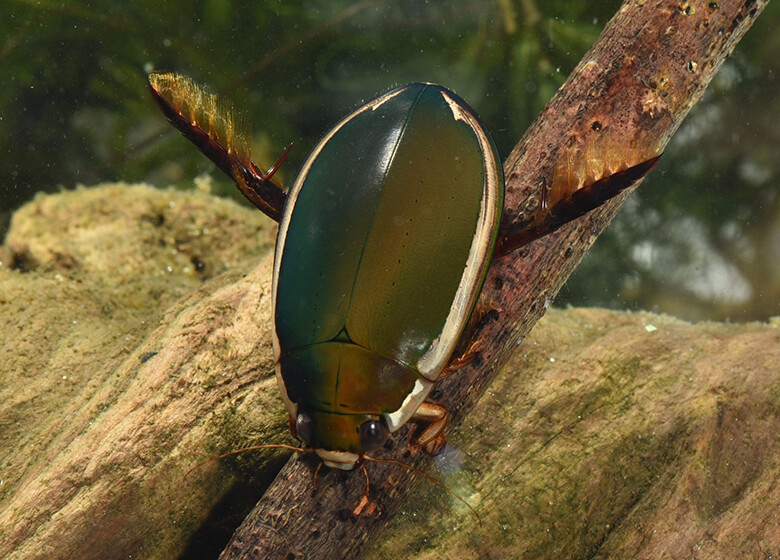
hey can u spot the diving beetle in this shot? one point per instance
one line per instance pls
(378, 266)
(384, 241)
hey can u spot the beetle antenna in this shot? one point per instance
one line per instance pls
(429, 477)
(252, 448)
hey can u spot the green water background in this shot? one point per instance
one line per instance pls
(700, 240)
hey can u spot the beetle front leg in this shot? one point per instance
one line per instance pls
(432, 438)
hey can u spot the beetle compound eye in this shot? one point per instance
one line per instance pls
(373, 435)
(303, 427)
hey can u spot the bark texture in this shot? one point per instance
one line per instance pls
(136, 344)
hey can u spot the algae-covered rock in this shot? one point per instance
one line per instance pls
(615, 435)
(136, 344)
(136, 338)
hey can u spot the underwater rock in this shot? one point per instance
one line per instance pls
(136, 344)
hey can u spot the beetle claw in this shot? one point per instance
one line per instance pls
(436, 445)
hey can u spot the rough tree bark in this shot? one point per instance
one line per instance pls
(106, 399)
(649, 67)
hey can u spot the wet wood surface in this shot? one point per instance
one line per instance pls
(649, 67)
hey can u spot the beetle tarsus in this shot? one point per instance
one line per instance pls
(432, 438)
(366, 507)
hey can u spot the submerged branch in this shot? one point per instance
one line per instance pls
(649, 67)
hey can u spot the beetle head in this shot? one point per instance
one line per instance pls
(340, 440)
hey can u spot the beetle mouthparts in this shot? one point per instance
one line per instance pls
(343, 460)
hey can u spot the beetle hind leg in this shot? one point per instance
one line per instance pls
(573, 200)
(432, 437)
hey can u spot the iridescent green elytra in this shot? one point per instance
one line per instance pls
(383, 245)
